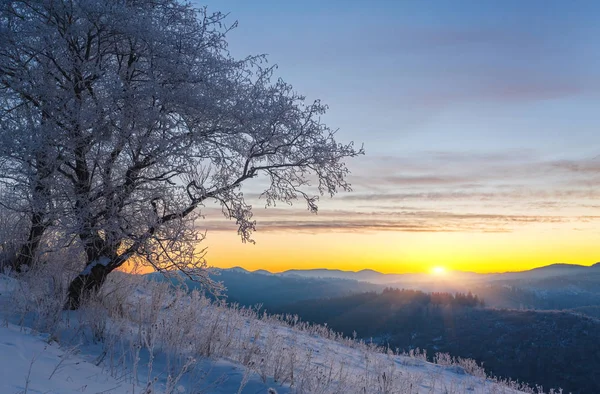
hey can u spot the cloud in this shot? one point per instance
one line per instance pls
(472, 196)
(438, 176)
(400, 221)
(586, 167)
(443, 192)
(360, 226)
(429, 179)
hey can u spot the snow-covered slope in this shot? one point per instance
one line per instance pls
(31, 363)
(171, 342)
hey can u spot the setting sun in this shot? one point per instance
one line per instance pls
(438, 270)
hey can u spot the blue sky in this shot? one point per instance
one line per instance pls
(471, 112)
(463, 75)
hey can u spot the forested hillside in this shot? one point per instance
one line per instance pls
(555, 349)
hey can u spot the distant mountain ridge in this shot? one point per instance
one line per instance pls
(367, 275)
(373, 276)
(262, 287)
(553, 287)
(556, 268)
(551, 270)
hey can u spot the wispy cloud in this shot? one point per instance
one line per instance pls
(444, 192)
(438, 175)
(399, 221)
(473, 196)
(587, 167)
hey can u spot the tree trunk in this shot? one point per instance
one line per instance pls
(88, 282)
(102, 259)
(39, 224)
(26, 254)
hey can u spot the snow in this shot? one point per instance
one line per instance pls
(101, 261)
(32, 362)
(7, 285)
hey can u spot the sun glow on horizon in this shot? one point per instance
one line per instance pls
(401, 253)
(438, 270)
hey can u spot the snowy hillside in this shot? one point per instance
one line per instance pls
(145, 337)
(32, 363)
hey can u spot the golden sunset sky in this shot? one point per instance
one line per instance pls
(480, 123)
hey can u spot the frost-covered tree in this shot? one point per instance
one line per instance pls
(125, 116)
(27, 164)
